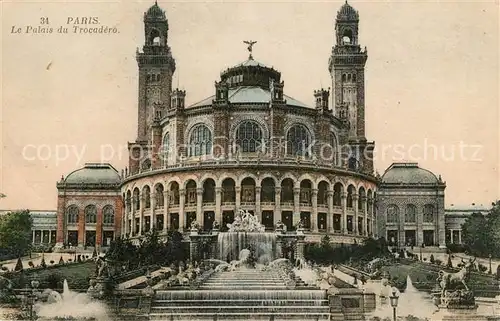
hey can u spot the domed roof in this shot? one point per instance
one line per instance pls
(347, 13)
(155, 13)
(94, 173)
(408, 173)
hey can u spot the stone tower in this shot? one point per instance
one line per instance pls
(347, 69)
(156, 68)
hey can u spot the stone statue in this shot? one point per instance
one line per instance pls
(195, 225)
(215, 225)
(102, 268)
(245, 221)
(451, 283)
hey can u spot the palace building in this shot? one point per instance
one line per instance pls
(250, 146)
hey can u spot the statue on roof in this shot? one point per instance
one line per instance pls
(250, 44)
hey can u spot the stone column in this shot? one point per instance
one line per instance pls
(182, 199)
(460, 236)
(152, 221)
(199, 207)
(166, 220)
(50, 237)
(277, 206)
(329, 219)
(81, 227)
(365, 216)
(370, 214)
(237, 190)
(355, 198)
(300, 247)
(344, 212)
(258, 211)
(296, 206)
(33, 237)
(141, 213)
(193, 249)
(218, 204)
(314, 219)
(132, 218)
(98, 228)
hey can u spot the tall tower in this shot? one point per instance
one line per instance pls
(156, 68)
(347, 69)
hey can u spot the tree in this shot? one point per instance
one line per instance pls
(19, 265)
(15, 233)
(475, 234)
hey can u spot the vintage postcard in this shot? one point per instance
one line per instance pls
(249, 160)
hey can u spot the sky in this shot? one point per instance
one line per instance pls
(432, 81)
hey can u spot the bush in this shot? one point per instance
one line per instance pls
(61, 261)
(432, 260)
(51, 261)
(482, 268)
(456, 248)
(438, 262)
(53, 280)
(19, 265)
(43, 264)
(450, 263)
(30, 264)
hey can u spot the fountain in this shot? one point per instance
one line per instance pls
(71, 306)
(246, 232)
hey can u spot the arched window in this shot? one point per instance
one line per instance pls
(154, 37)
(428, 213)
(136, 199)
(72, 214)
(200, 141)
(392, 214)
(108, 215)
(248, 137)
(146, 194)
(128, 201)
(166, 147)
(159, 195)
(411, 214)
(347, 37)
(298, 141)
(91, 214)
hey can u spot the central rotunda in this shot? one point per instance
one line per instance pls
(250, 146)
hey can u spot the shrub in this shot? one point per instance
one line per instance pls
(498, 272)
(438, 261)
(19, 265)
(431, 259)
(43, 264)
(449, 264)
(61, 261)
(51, 261)
(53, 280)
(31, 265)
(482, 268)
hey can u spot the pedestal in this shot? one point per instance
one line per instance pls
(457, 314)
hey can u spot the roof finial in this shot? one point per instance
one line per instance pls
(156, 2)
(250, 44)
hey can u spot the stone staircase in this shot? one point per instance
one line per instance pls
(241, 295)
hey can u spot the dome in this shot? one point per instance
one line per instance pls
(155, 12)
(408, 173)
(347, 13)
(94, 173)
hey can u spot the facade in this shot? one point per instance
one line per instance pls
(411, 206)
(44, 226)
(89, 206)
(455, 216)
(250, 146)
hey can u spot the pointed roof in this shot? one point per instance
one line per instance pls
(347, 13)
(155, 13)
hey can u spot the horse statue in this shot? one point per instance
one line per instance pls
(448, 281)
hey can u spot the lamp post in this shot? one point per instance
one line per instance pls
(31, 295)
(394, 302)
(490, 271)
